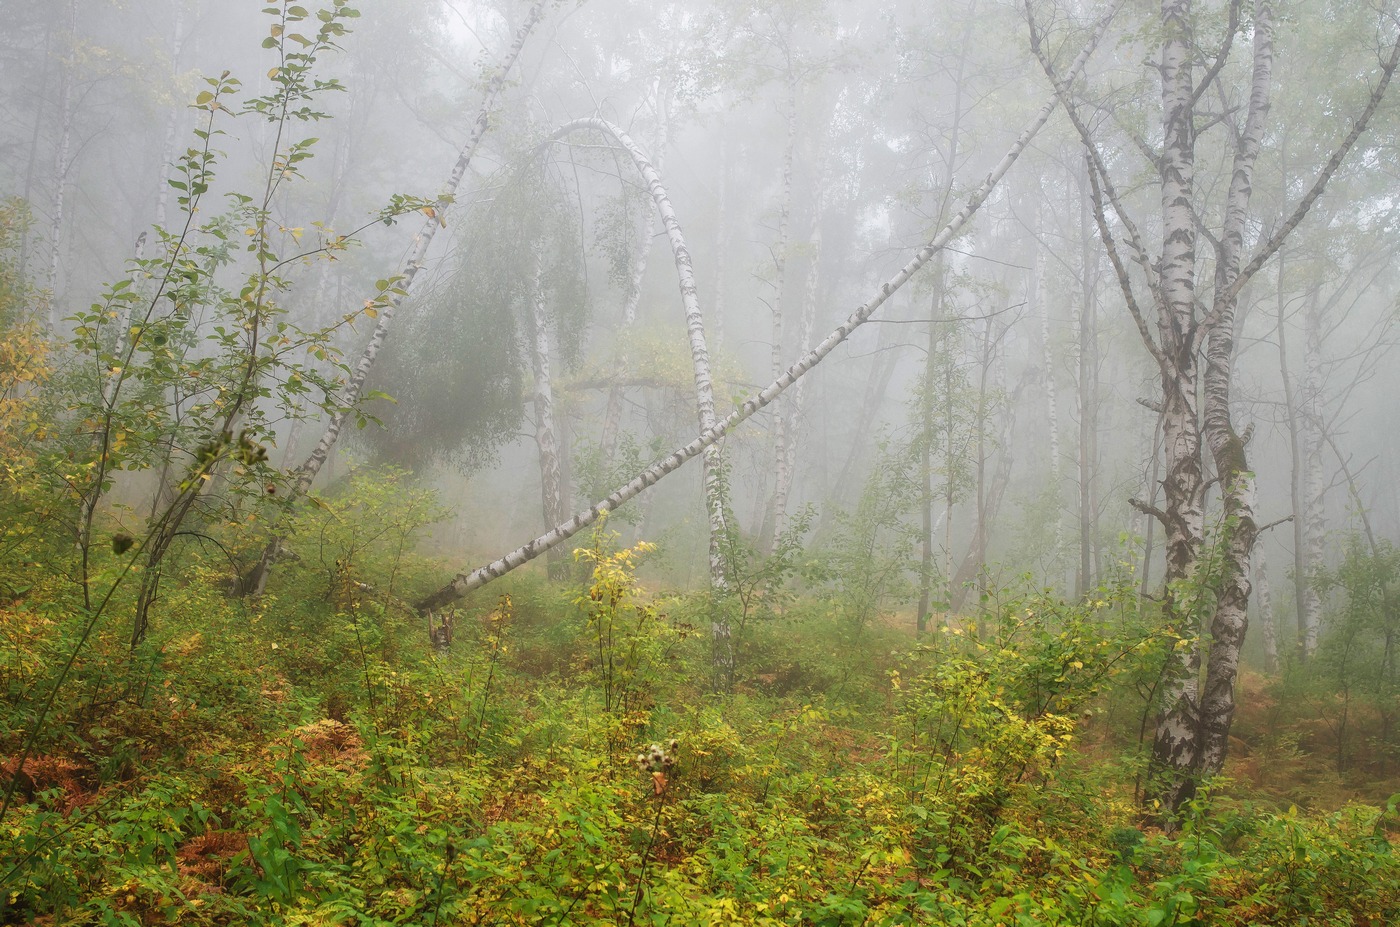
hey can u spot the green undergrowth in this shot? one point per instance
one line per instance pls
(309, 759)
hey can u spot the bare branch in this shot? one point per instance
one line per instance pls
(1062, 90)
(1147, 508)
(1324, 177)
(1222, 56)
(1125, 283)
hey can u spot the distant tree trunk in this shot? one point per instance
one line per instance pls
(612, 415)
(786, 463)
(927, 473)
(1088, 376)
(1039, 306)
(1302, 477)
(61, 163)
(782, 411)
(1266, 613)
(1313, 515)
(553, 497)
(722, 239)
(973, 566)
(873, 397)
(938, 308)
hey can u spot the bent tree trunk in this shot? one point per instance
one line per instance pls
(695, 329)
(256, 581)
(469, 581)
(712, 477)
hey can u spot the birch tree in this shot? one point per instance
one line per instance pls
(1207, 579)
(553, 491)
(695, 331)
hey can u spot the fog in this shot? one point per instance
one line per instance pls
(807, 151)
(721, 461)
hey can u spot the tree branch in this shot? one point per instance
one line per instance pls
(1320, 184)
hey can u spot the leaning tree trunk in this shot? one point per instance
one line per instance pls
(468, 581)
(256, 581)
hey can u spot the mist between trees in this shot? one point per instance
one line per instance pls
(984, 318)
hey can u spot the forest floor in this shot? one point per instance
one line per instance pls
(308, 759)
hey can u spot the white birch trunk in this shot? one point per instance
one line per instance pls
(781, 412)
(474, 579)
(1231, 619)
(1192, 733)
(554, 503)
(1176, 746)
(695, 329)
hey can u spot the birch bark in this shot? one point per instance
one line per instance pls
(1191, 738)
(695, 330)
(553, 498)
(1231, 618)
